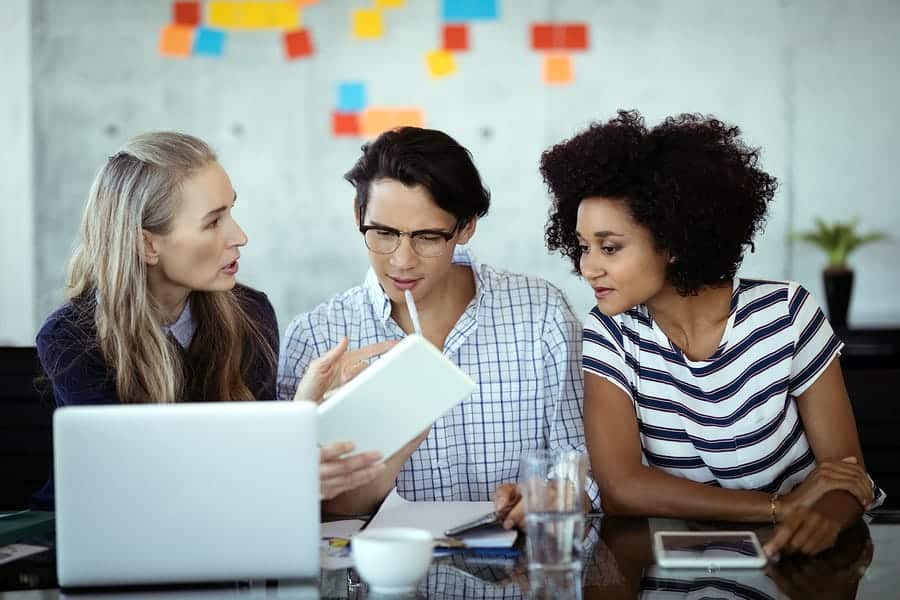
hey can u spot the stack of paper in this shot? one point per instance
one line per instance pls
(438, 517)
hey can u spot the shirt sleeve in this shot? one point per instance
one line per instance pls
(815, 344)
(301, 344)
(603, 352)
(75, 366)
(562, 366)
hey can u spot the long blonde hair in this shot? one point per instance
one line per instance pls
(139, 188)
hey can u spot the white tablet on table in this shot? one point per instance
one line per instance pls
(708, 549)
(395, 399)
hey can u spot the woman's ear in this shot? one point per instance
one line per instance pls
(468, 230)
(150, 252)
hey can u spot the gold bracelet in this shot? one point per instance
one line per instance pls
(773, 507)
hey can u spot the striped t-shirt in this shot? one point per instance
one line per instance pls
(730, 420)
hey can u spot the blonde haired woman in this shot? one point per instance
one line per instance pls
(154, 313)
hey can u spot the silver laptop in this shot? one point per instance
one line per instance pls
(178, 493)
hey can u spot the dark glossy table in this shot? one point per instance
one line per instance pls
(618, 563)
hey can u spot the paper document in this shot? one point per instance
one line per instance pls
(341, 529)
(437, 517)
(17, 551)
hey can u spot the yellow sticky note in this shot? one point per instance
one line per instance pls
(224, 15)
(368, 24)
(440, 63)
(286, 15)
(389, 3)
(558, 69)
(375, 121)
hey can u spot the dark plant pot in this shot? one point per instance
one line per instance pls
(838, 289)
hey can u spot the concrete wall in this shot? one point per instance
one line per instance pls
(813, 83)
(17, 259)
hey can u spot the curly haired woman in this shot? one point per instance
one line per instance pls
(707, 396)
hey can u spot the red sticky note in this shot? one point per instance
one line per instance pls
(297, 43)
(456, 37)
(344, 124)
(543, 36)
(575, 36)
(186, 13)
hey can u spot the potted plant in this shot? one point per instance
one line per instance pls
(838, 240)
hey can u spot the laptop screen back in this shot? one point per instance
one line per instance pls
(186, 493)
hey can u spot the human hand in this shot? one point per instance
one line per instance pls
(339, 473)
(508, 503)
(829, 475)
(834, 574)
(803, 531)
(335, 368)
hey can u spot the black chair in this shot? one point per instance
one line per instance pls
(26, 437)
(874, 395)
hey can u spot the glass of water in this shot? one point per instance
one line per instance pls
(552, 484)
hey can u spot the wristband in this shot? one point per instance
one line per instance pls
(773, 507)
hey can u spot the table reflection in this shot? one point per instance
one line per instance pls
(617, 563)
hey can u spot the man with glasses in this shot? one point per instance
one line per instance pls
(418, 201)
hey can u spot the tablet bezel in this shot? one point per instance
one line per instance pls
(665, 559)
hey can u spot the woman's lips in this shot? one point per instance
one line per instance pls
(403, 284)
(231, 268)
(602, 292)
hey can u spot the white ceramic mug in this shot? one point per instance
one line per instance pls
(392, 560)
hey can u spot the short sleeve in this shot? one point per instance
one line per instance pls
(815, 344)
(603, 351)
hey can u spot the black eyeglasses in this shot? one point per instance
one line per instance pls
(427, 243)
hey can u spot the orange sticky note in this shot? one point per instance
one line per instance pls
(176, 40)
(375, 121)
(299, 3)
(558, 69)
(368, 24)
(440, 63)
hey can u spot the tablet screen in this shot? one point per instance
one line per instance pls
(730, 545)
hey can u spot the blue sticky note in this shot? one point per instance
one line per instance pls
(351, 96)
(468, 10)
(209, 42)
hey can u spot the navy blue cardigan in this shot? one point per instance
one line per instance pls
(74, 364)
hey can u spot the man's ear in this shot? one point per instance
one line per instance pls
(356, 214)
(150, 252)
(468, 230)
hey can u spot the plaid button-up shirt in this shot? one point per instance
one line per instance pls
(518, 339)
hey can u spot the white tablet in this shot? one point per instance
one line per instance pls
(395, 399)
(708, 549)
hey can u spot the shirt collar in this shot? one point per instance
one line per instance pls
(184, 327)
(382, 304)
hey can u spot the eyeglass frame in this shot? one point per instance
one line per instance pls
(447, 235)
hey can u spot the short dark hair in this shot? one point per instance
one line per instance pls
(426, 157)
(690, 180)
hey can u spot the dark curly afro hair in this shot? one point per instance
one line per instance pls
(690, 180)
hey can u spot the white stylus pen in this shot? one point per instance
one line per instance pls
(413, 313)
